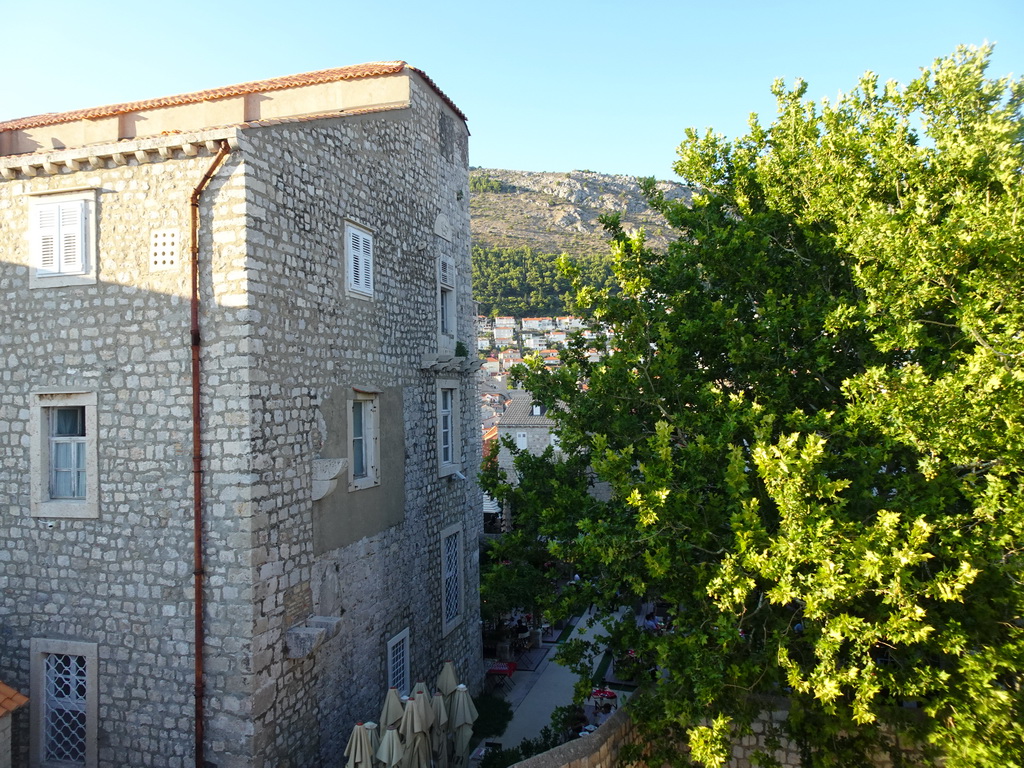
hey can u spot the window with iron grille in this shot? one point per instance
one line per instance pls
(65, 711)
(64, 731)
(451, 568)
(398, 662)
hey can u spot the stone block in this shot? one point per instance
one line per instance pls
(302, 641)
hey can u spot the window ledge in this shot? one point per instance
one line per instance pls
(80, 510)
(449, 470)
(451, 626)
(37, 280)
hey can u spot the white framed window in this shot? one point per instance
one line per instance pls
(522, 440)
(64, 703)
(358, 260)
(364, 440)
(62, 235)
(398, 662)
(556, 442)
(63, 446)
(446, 305)
(451, 578)
(449, 445)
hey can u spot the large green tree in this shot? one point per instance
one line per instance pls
(811, 421)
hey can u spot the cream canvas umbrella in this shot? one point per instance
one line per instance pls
(420, 689)
(415, 732)
(439, 735)
(460, 720)
(373, 734)
(446, 682)
(423, 713)
(390, 751)
(391, 714)
(358, 750)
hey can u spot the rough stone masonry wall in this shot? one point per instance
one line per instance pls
(309, 342)
(123, 580)
(538, 440)
(276, 341)
(5, 742)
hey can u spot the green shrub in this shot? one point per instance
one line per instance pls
(484, 184)
(494, 715)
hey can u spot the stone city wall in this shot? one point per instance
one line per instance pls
(602, 749)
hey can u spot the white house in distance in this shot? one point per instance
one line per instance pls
(234, 435)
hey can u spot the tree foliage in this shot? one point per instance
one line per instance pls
(519, 572)
(813, 428)
(524, 283)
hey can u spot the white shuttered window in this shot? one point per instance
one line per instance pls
(59, 237)
(359, 260)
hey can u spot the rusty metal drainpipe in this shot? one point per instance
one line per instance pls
(197, 453)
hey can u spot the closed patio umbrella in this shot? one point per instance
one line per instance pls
(391, 714)
(390, 751)
(446, 682)
(439, 734)
(423, 713)
(373, 734)
(460, 720)
(358, 750)
(420, 689)
(415, 732)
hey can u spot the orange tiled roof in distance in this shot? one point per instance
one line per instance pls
(372, 69)
(10, 699)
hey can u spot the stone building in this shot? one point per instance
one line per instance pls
(529, 427)
(230, 317)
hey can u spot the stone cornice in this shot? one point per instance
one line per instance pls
(102, 156)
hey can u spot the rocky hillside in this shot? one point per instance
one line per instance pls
(558, 212)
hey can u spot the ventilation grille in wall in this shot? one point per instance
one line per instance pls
(163, 250)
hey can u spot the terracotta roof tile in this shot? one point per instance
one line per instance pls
(10, 699)
(356, 71)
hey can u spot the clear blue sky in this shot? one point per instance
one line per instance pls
(547, 86)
